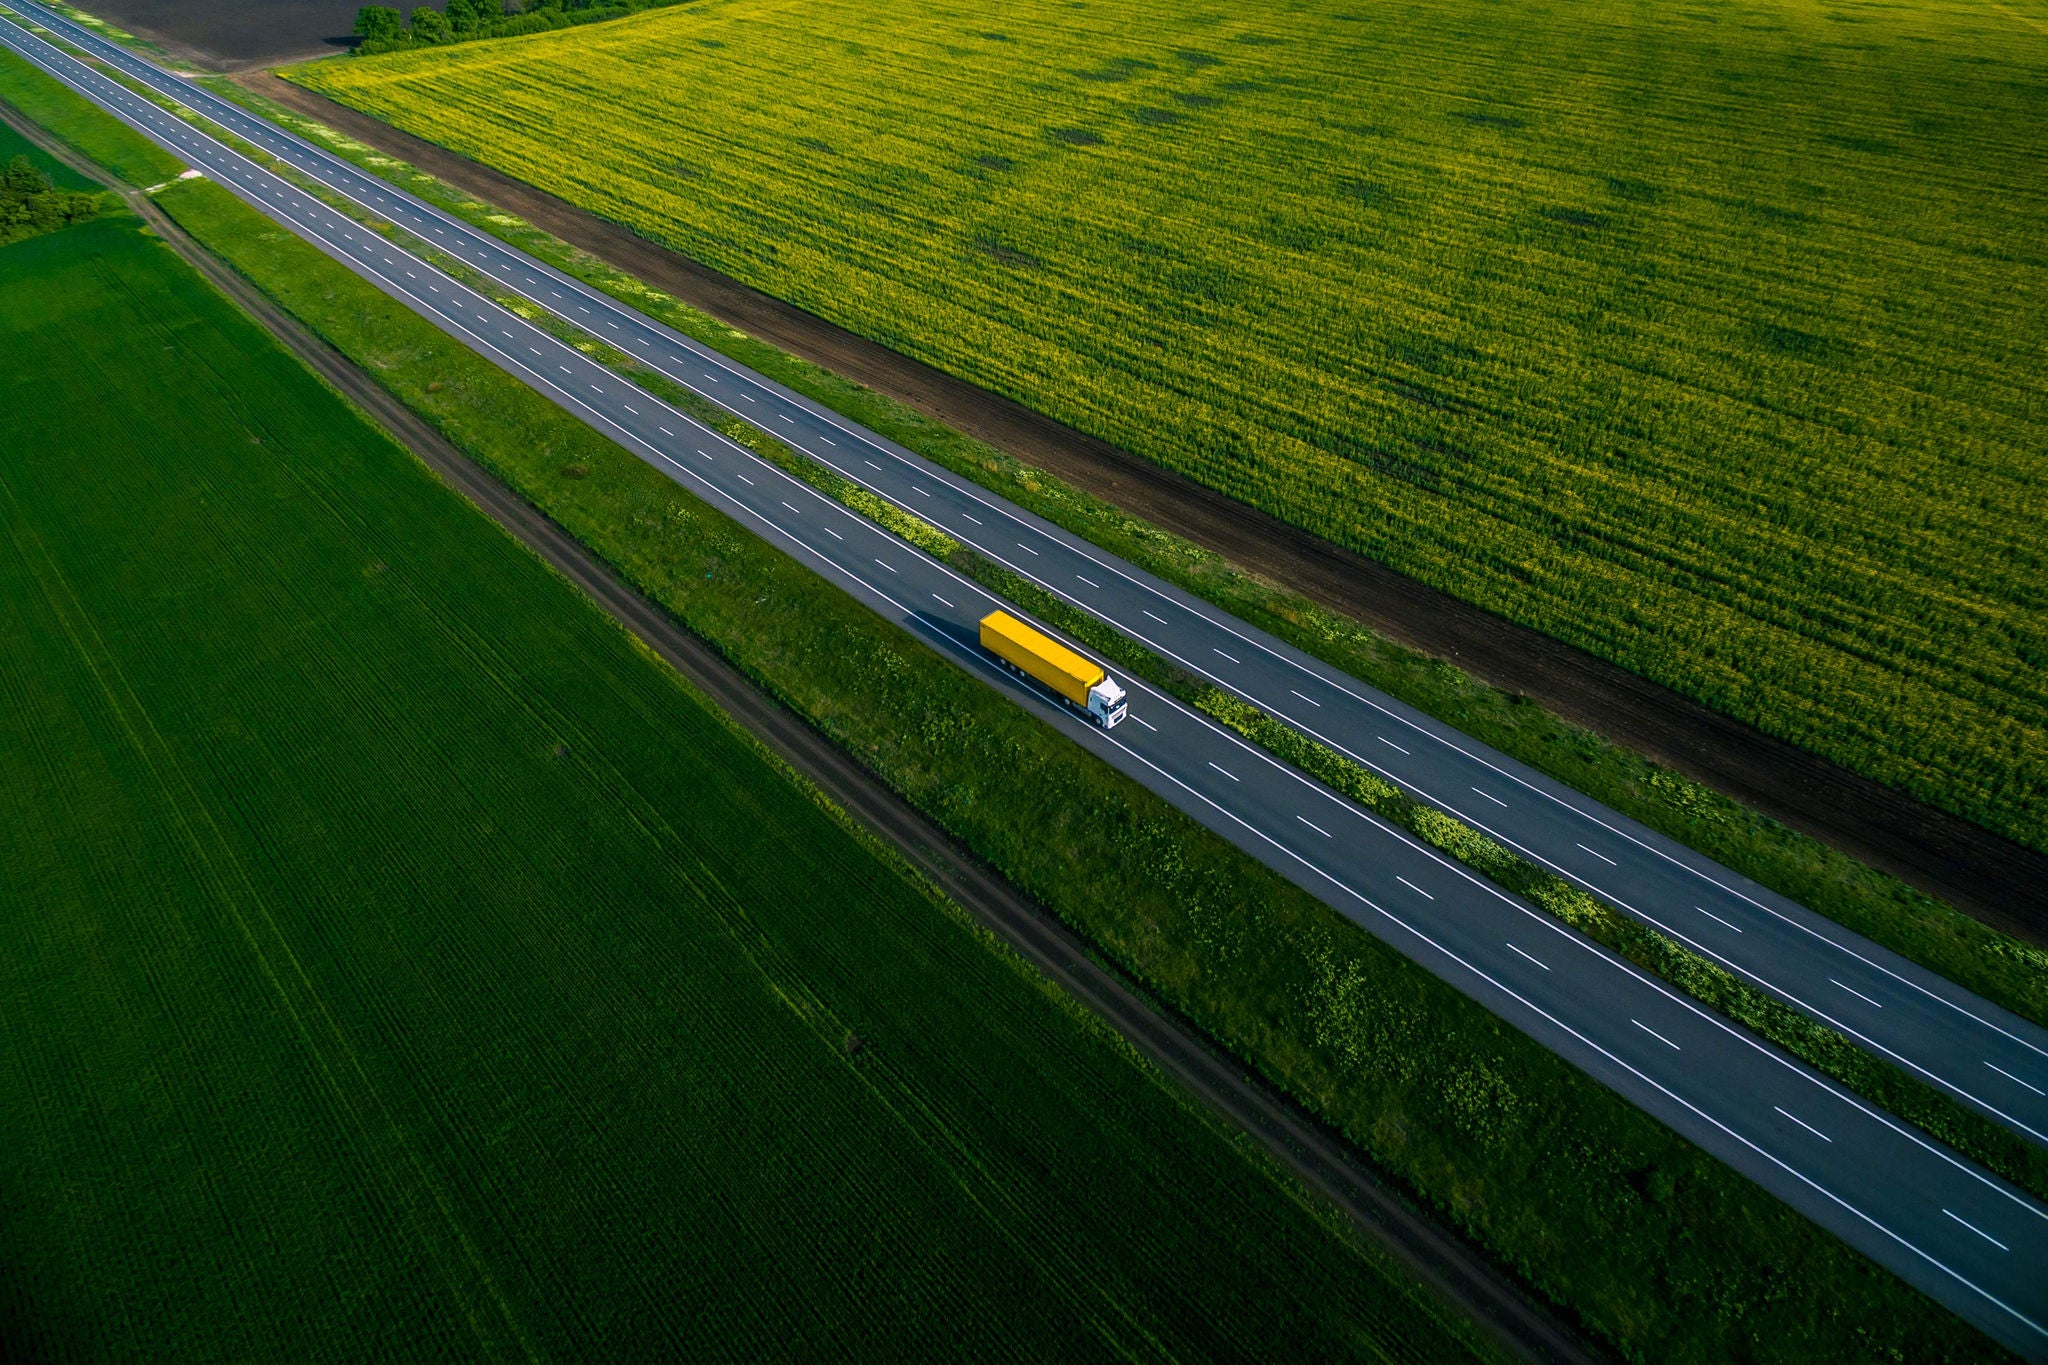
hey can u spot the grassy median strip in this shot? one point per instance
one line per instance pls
(1820, 1046)
(1429, 1083)
(1881, 907)
(1650, 1243)
(401, 963)
(1824, 1048)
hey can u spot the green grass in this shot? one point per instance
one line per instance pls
(1882, 907)
(1553, 1173)
(13, 144)
(1821, 1046)
(1703, 339)
(40, 194)
(400, 962)
(108, 142)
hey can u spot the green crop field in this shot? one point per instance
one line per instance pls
(397, 962)
(1707, 338)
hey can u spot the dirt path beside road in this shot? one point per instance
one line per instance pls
(1988, 876)
(1319, 1158)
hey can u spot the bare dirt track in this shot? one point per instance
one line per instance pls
(1998, 881)
(234, 35)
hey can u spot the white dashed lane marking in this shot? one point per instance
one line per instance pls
(1658, 1036)
(1803, 1124)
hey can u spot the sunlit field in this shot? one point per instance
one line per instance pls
(1708, 338)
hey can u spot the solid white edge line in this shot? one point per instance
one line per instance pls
(485, 242)
(1797, 1175)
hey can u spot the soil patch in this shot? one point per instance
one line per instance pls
(1990, 877)
(235, 35)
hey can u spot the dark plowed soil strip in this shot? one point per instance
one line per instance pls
(1982, 873)
(234, 35)
(1322, 1160)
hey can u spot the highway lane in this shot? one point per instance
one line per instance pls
(1982, 1055)
(1966, 1238)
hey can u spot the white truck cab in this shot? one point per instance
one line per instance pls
(1106, 703)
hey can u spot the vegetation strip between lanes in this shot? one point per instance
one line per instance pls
(1330, 1166)
(1826, 1049)
(366, 881)
(1984, 960)
(1507, 1141)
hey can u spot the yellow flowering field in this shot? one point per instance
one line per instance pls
(1708, 336)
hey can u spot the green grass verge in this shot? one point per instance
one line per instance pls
(1884, 909)
(1821, 1046)
(13, 144)
(1555, 1174)
(101, 138)
(400, 962)
(122, 36)
(1824, 1048)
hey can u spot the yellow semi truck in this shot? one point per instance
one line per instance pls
(1084, 685)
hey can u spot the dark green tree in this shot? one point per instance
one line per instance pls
(430, 26)
(22, 180)
(29, 204)
(376, 23)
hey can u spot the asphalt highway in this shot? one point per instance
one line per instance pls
(1984, 1056)
(1965, 1237)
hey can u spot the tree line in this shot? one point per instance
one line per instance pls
(382, 28)
(30, 204)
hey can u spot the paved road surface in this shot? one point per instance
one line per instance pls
(1963, 1236)
(1982, 1055)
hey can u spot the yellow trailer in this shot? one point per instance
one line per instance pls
(1081, 683)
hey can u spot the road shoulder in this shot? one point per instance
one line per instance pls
(1321, 1160)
